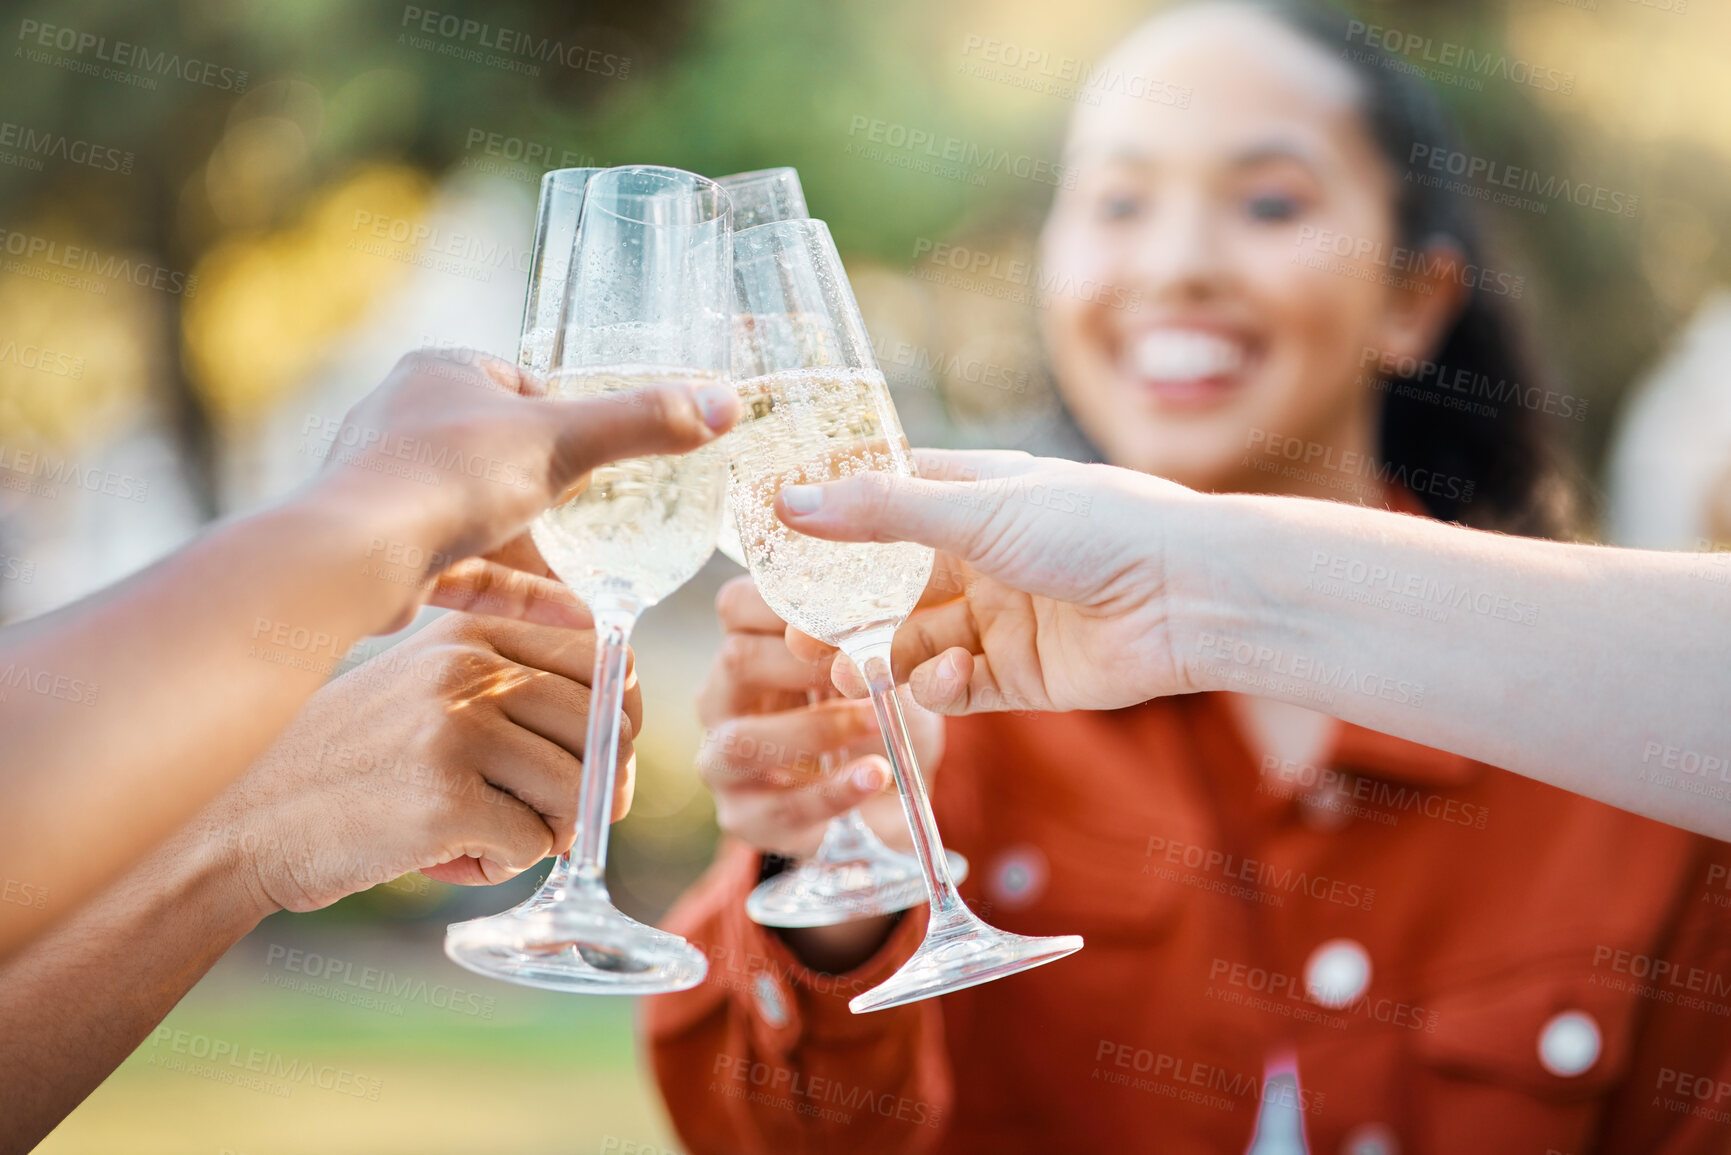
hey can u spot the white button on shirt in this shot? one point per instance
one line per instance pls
(1337, 972)
(771, 1003)
(1569, 1044)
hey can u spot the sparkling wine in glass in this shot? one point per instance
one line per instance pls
(759, 198)
(819, 410)
(648, 300)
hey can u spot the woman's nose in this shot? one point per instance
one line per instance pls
(1177, 254)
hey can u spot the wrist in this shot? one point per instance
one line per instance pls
(1223, 559)
(214, 869)
(385, 544)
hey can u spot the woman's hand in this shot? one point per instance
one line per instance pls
(456, 753)
(1051, 591)
(764, 742)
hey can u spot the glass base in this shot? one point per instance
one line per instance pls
(819, 893)
(960, 952)
(573, 943)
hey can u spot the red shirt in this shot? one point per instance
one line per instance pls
(1493, 964)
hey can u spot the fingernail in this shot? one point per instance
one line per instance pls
(949, 670)
(802, 499)
(717, 403)
(868, 777)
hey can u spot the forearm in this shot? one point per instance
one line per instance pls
(76, 1002)
(134, 707)
(1602, 671)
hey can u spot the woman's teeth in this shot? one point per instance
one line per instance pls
(1172, 355)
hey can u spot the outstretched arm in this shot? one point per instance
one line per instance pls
(456, 753)
(1603, 671)
(123, 713)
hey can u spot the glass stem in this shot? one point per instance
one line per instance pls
(871, 654)
(588, 856)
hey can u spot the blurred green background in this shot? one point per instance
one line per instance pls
(247, 191)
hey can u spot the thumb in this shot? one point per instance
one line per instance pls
(670, 418)
(950, 516)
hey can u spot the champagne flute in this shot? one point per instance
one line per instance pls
(647, 300)
(549, 262)
(556, 217)
(759, 197)
(853, 874)
(818, 409)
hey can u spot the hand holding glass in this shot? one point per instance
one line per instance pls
(648, 300)
(817, 409)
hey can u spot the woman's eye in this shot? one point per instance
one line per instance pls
(1122, 207)
(1273, 207)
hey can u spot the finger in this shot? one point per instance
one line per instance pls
(942, 684)
(946, 515)
(756, 663)
(478, 586)
(928, 633)
(511, 377)
(521, 553)
(511, 762)
(660, 419)
(792, 821)
(500, 838)
(784, 750)
(740, 606)
(568, 654)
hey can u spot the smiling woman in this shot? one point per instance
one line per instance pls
(1285, 914)
(1303, 297)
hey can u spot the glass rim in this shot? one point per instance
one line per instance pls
(788, 224)
(757, 174)
(705, 188)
